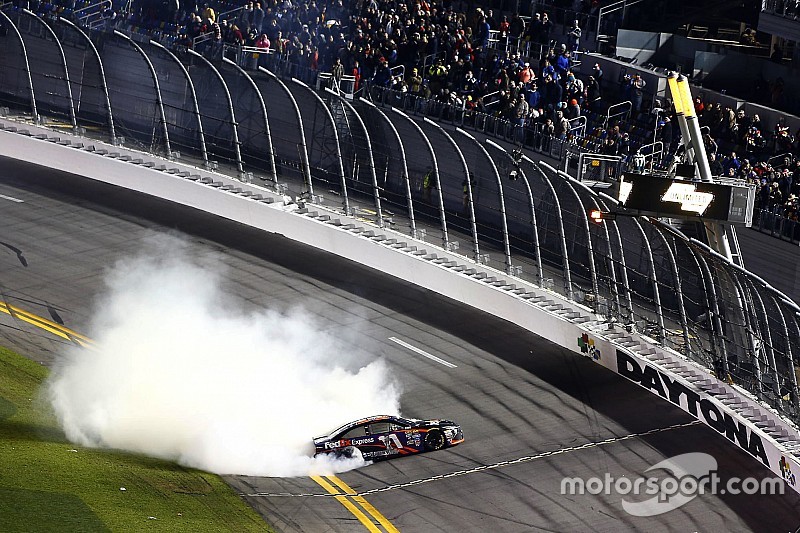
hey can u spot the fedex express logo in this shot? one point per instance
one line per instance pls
(687, 195)
(347, 442)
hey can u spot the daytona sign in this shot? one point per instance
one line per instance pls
(690, 401)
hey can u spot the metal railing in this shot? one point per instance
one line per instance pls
(775, 223)
(87, 16)
(622, 109)
(781, 8)
(611, 8)
(519, 215)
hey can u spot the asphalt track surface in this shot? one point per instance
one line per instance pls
(518, 397)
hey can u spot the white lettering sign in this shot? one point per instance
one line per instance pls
(686, 194)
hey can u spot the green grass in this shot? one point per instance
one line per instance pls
(50, 484)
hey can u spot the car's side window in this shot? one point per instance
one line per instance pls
(379, 427)
(358, 431)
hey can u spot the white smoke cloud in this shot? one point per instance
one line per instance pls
(180, 372)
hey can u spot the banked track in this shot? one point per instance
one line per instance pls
(532, 412)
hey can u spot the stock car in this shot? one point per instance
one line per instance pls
(385, 437)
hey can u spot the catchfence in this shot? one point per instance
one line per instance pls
(432, 170)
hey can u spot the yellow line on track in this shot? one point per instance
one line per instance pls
(344, 499)
(350, 506)
(45, 324)
(382, 520)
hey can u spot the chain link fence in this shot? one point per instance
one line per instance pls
(436, 172)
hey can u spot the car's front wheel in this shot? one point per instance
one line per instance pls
(434, 440)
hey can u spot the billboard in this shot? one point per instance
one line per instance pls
(665, 197)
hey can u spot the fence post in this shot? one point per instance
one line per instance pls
(375, 189)
(503, 215)
(27, 67)
(194, 99)
(234, 125)
(63, 64)
(260, 97)
(103, 83)
(303, 146)
(342, 177)
(159, 101)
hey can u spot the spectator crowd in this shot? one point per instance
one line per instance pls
(512, 67)
(506, 65)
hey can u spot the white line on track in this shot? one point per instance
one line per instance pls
(4, 197)
(422, 352)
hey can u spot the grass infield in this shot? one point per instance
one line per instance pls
(49, 484)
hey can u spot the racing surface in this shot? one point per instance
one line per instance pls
(532, 413)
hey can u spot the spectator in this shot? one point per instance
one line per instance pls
(546, 28)
(574, 36)
(262, 43)
(337, 72)
(637, 84)
(563, 62)
(597, 73)
(573, 109)
(517, 27)
(561, 126)
(415, 82)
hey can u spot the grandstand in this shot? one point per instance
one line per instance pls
(501, 130)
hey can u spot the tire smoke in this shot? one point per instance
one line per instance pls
(181, 372)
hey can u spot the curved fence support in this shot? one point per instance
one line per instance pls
(375, 189)
(754, 335)
(502, 199)
(260, 97)
(159, 101)
(612, 273)
(234, 126)
(676, 275)
(27, 67)
(739, 302)
(72, 118)
(468, 181)
(584, 215)
(793, 375)
(342, 177)
(713, 310)
(534, 225)
(766, 335)
(653, 278)
(406, 178)
(196, 104)
(442, 217)
(559, 217)
(303, 144)
(103, 83)
(603, 200)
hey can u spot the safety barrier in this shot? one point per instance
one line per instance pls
(723, 407)
(521, 218)
(777, 225)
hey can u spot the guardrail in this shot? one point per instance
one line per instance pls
(645, 278)
(777, 225)
(622, 109)
(575, 327)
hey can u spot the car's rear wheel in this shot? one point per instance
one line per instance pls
(434, 440)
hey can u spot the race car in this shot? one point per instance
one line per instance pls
(384, 437)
